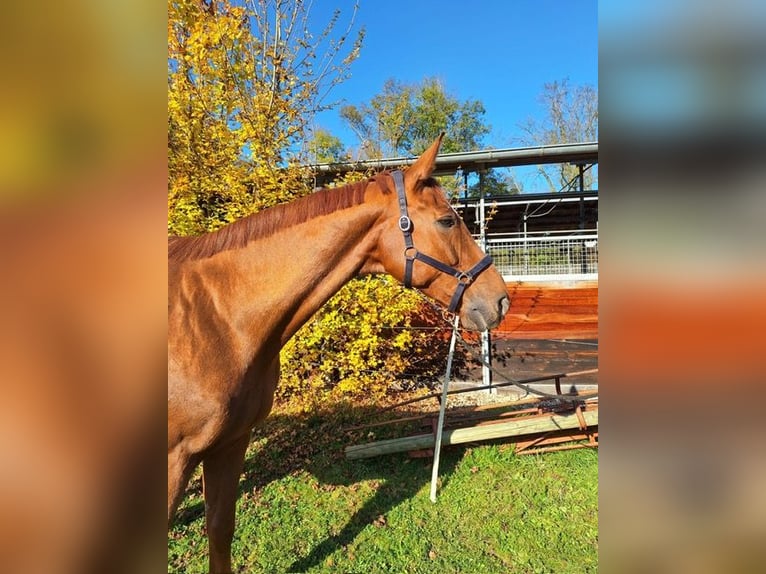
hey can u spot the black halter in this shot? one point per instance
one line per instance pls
(464, 278)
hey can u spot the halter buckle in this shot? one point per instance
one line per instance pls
(405, 224)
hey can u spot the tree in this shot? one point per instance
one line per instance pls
(403, 119)
(323, 147)
(571, 115)
(494, 184)
(244, 82)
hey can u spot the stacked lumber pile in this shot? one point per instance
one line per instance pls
(545, 425)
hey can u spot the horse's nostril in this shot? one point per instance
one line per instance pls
(504, 305)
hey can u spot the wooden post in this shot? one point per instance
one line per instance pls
(519, 427)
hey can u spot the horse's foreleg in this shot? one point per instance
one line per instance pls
(221, 470)
(180, 468)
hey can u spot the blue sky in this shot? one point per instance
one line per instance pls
(500, 52)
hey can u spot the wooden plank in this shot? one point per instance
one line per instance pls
(520, 427)
(550, 310)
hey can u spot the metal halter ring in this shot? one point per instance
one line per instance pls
(464, 278)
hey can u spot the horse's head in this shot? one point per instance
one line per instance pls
(426, 245)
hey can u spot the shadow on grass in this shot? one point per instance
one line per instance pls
(394, 490)
(314, 443)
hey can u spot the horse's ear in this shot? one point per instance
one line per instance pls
(424, 165)
(385, 182)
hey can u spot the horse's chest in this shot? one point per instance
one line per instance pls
(252, 399)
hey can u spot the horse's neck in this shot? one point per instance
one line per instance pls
(282, 280)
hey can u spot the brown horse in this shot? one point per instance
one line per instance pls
(237, 295)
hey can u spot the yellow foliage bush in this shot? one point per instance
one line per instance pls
(360, 342)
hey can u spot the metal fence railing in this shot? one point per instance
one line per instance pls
(568, 255)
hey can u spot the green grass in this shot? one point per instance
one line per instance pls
(304, 508)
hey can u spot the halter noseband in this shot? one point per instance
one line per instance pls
(464, 278)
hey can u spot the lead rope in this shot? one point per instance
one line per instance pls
(445, 391)
(442, 408)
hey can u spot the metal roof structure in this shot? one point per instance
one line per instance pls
(533, 212)
(470, 161)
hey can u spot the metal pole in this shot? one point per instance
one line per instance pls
(482, 214)
(581, 178)
(486, 372)
(442, 408)
(486, 355)
(525, 250)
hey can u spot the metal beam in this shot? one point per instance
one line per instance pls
(471, 161)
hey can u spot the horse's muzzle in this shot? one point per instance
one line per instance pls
(483, 317)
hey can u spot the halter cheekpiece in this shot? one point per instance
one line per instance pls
(464, 278)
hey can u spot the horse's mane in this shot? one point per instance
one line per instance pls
(267, 222)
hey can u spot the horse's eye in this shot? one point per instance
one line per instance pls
(448, 221)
